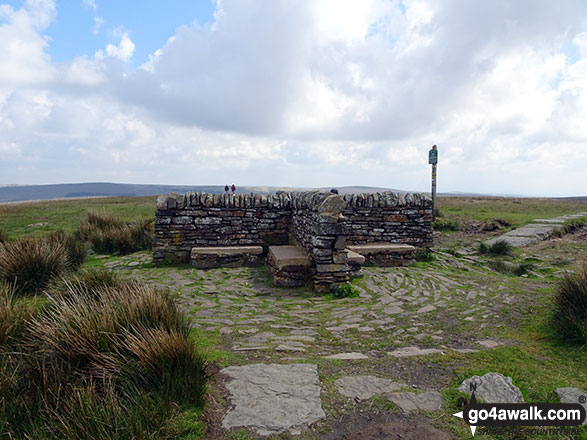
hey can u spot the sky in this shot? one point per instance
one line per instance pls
(319, 93)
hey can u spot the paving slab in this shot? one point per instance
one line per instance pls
(273, 398)
(365, 387)
(408, 402)
(413, 351)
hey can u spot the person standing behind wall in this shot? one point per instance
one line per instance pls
(233, 188)
(226, 188)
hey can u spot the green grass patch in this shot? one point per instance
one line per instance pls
(66, 215)
(516, 211)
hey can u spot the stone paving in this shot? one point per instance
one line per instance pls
(277, 335)
(400, 311)
(541, 229)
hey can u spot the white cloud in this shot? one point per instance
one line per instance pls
(314, 93)
(98, 23)
(91, 4)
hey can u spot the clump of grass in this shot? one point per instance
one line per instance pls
(112, 364)
(74, 247)
(30, 264)
(13, 317)
(499, 248)
(85, 282)
(424, 255)
(111, 235)
(345, 291)
(3, 236)
(570, 312)
(446, 225)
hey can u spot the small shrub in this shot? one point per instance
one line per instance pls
(30, 264)
(570, 312)
(499, 248)
(345, 291)
(523, 268)
(574, 225)
(424, 255)
(3, 236)
(446, 225)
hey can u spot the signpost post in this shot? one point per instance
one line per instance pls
(433, 160)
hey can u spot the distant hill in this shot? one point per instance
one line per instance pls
(17, 193)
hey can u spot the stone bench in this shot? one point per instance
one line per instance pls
(289, 265)
(226, 256)
(385, 254)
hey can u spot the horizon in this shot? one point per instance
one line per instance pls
(302, 95)
(264, 188)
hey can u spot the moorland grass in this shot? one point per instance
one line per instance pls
(30, 264)
(570, 312)
(112, 235)
(66, 215)
(113, 364)
(516, 211)
(3, 236)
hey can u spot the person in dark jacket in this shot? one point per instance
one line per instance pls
(233, 188)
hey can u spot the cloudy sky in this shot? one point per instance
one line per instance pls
(296, 93)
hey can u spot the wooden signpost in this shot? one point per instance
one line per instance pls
(433, 160)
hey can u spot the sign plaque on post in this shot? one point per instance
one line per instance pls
(433, 160)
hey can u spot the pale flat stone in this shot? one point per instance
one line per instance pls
(426, 309)
(573, 395)
(493, 388)
(347, 356)
(366, 329)
(413, 351)
(288, 256)
(488, 343)
(289, 347)
(393, 310)
(429, 401)
(249, 347)
(272, 399)
(365, 387)
(377, 248)
(225, 331)
(227, 250)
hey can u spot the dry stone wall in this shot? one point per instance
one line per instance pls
(200, 219)
(390, 218)
(321, 223)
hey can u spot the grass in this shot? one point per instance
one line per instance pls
(114, 364)
(113, 235)
(570, 313)
(516, 211)
(30, 264)
(499, 248)
(66, 215)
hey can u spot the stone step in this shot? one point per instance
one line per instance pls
(385, 254)
(226, 256)
(289, 265)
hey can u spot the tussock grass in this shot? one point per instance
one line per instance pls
(13, 317)
(3, 236)
(112, 235)
(30, 264)
(106, 359)
(499, 248)
(570, 312)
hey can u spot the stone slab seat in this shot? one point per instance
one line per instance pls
(288, 265)
(385, 254)
(207, 257)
